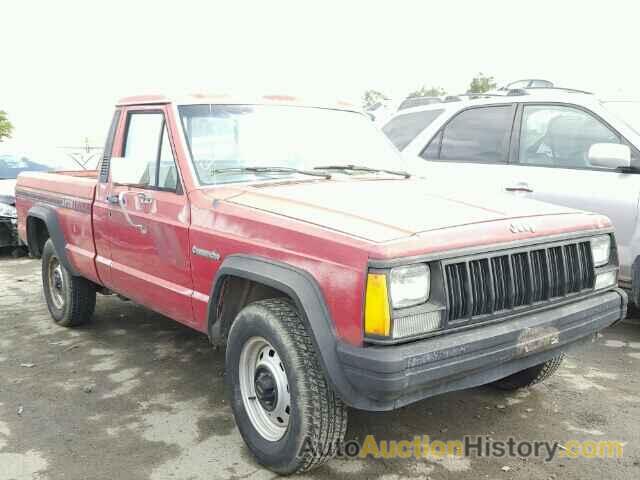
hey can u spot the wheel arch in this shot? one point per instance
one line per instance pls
(43, 215)
(303, 290)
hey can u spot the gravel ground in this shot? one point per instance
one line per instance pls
(136, 396)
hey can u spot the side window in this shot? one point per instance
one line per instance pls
(478, 135)
(560, 136)
(541, 84)
(432, 150)
(167, 171)
(147, 151)
(402, 129)
(141, 146)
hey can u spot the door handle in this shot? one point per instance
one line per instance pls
(519, 187)
(144, 198)
(138, 226)
(113, 199)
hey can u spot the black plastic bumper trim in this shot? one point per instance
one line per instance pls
(388, 377)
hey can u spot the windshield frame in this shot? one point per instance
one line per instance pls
(262, 177)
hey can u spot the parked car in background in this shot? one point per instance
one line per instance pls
(10, 166)
(8, 216)
(556, 145)
(380, 112)
(411, 102)
(252, 221)
(527, 83)
(12, 163)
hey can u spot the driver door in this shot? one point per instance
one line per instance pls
(148, 218)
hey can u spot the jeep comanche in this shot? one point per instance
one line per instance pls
(282, 230)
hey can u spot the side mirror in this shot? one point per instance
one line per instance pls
(127, 171)
(610, 155)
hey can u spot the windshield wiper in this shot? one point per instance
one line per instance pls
(269, 170)
(362, 168)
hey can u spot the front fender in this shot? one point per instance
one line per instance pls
(305, 292)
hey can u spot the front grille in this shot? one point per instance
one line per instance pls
(482, 286)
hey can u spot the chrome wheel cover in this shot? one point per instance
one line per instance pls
(56, 282)
(264, 388)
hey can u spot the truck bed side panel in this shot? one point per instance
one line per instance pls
(71, 197)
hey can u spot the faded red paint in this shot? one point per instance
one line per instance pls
(329, 228)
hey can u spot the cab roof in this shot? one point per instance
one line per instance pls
(228, 99)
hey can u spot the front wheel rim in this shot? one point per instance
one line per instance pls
(56, 282)
(264, 388)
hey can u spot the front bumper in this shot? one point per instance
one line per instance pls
(8, 232)
(388, 377)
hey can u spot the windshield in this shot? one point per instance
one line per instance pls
(12, 165)
(223, 137)
(628, 111)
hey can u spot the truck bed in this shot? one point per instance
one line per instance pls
(80, 184)
(69, 197)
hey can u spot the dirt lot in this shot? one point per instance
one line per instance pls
(137, 396)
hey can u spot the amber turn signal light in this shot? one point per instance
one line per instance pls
(377, 318)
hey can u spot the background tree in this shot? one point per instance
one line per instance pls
(481, 83)
(5, 126)
(428, 92)
(371, 97)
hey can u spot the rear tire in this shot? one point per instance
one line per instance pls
(272, 368)
(71, 300)
(530, 376)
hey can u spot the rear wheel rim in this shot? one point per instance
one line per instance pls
(264, 388)
(56, 282)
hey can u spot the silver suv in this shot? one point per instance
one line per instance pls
(556, 145)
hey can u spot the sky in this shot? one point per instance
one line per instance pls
(64, 64)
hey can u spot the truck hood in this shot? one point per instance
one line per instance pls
(386, 210)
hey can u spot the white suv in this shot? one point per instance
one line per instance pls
(556, 145)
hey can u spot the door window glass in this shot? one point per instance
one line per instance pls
(147, 152)
(560, 136)
(167, 171)
(432, 150)
(541, 84)
(141, 146)
(478, 135)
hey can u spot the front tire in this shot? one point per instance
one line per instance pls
(71, 300)
(285, 410)
(530, 376)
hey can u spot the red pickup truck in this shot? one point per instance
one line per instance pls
(283, 230)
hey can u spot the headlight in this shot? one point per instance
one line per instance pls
(601, 249)
(401, 287)
(7, 211)
(409, 285)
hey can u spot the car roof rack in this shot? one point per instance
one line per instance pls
(514, 92)
(475, 96)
